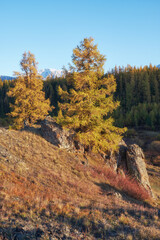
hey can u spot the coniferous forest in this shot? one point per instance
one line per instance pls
(4, 99)
(138, 91)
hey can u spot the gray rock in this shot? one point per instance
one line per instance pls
(136, 165)
(128, 159)
(118, 195)
(117, 160)
(58, 136)
(121, 157)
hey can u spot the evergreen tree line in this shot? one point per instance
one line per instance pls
(50, 87)
(5, 100)
(138, 90)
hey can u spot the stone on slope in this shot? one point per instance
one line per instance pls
(136, 166)
(58, 136)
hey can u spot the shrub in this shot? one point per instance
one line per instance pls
(131, 133)
(125, 183)
(157, 137)
(155, 146)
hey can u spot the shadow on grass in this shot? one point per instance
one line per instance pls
(18, 233)
(65, 227)
(35, 130)
(77, 229)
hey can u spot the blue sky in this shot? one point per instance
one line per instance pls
(127, 32)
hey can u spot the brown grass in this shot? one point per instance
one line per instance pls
(41, 181)
(125, 184)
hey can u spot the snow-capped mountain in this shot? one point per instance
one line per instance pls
(49, 72)
(158, 66)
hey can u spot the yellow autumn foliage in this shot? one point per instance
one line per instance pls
(90, 103)
(30, 104)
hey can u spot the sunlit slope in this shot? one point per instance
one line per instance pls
(41, 182)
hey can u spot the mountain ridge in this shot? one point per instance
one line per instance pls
(46, 72)
(4, 77)
(50, 72)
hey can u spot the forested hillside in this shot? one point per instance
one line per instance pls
(4, 99)
(138, 90)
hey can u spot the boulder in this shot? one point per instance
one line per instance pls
(136, 165)
(121, 157)
(117, 160)
(58, 136)
(129, 158)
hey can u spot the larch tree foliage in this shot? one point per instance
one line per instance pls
(30, 104)
(88, 106)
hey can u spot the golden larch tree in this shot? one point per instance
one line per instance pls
(30, 104)
(88, 107)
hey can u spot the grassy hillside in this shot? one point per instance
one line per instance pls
(49, 193)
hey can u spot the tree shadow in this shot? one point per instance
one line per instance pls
(18, 233)
(79, 227)
(33, 129)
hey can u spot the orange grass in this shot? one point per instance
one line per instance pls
(44, 181)
(41, 181)
(125, 184)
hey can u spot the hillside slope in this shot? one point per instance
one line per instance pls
(49, 193)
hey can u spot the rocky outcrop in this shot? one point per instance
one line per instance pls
(121, 157)
(117, 160)
(129, 158)
(136, 165)
(58, 136)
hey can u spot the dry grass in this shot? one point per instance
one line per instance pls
(125, 184)
(40, 181)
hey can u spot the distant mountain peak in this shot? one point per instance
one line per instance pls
(47, 72)
(158, 66)
(50, 72)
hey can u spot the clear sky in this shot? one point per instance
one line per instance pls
(126, 31)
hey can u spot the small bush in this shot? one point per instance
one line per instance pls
(131, 133)
(155, 146)
(5, 122)
(125, 184)
(157, 137)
